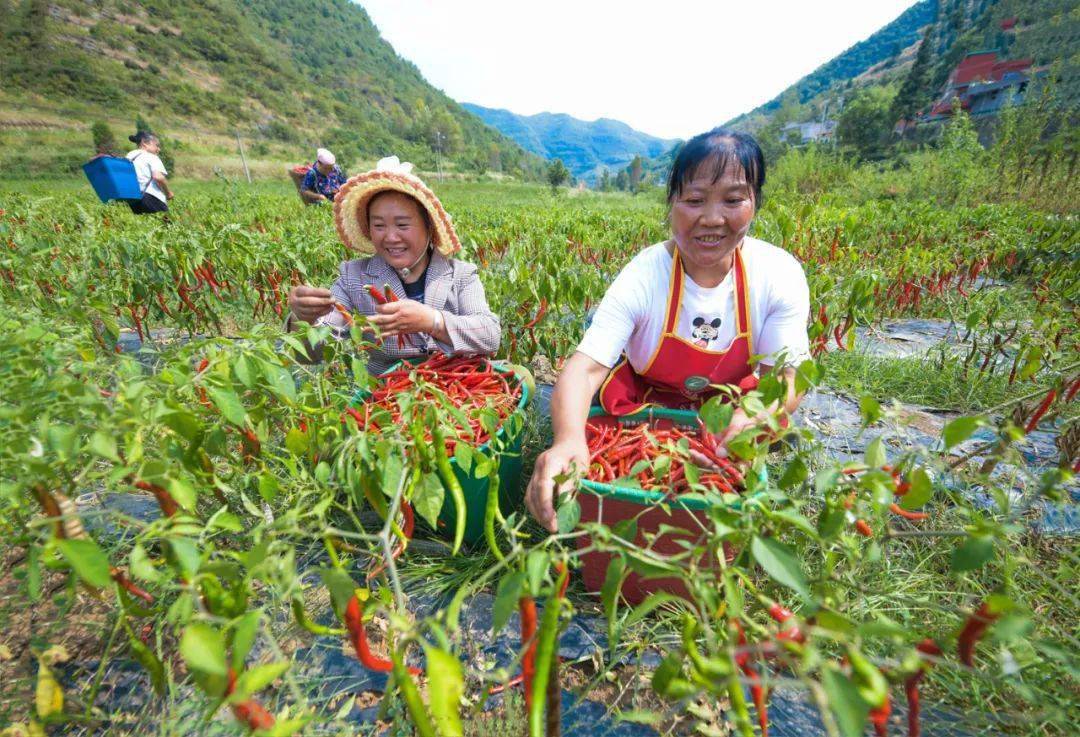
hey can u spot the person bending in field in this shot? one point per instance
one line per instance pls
(153, 186)
(323, 180)
(438, 302)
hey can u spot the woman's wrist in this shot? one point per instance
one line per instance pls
(437, 322)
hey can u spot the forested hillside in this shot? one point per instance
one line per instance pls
(287, 72)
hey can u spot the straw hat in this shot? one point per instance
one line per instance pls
(390, 174)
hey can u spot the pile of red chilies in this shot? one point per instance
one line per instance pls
(471, 384)
(615, 449)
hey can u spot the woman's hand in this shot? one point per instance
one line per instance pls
(563, 458)
(308, 304)
(403, 317)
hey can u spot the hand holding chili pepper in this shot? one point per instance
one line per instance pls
(556, 460)
(404, 317)
(308, 304)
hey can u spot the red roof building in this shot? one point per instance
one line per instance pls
(983, 84)
(1009, 23)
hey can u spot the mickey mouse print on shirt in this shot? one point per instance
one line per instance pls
(705, 332)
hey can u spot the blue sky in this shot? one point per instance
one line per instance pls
(670, 69)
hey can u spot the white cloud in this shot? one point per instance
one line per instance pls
(670, 69)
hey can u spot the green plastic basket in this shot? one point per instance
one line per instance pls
(476, 489)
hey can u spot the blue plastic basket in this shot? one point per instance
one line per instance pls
(113, 178)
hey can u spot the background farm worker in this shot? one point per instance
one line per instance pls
(151, 175)
(437, 302)
(323, 180)
(707, 307)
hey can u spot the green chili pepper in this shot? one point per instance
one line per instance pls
(738, 705)
(411, 695)
(449, 479)
(545, 655)
(489, 513)
(304, 621)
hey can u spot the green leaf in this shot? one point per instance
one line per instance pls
(973, 553)
(187, 555)
(203, 649)
(609, 592)
(341, 587)
(536, 565)
(245, 371)
(716, 414)
(141, 565)
(280, 380)
(795, 473)
(255, 679)
(149, 662)
(227, 401)
(506, 600)
(87, 560)
(781, 564)
(875, 453)
(427, 498)
(959, 430)
(183, 493)
(445, 689)
(269, 487)
(245, 630)
(104, 445)
(870, 410)
(847, 706)
(463, 454)
(296, 442)
(568, 515)
(922, 488)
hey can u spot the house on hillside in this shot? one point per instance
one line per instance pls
(811, 132)
(984, 85)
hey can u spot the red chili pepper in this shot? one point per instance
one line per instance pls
(1073, 389)
(354, 623)
(539, 315)
(249, 712)
(250, 446)
(911, 686)
(168, 505)
(408, 524)
(375, 294)
(527, 609)
(1043, 407)
(897, 509)
(125, 583)
(879, 717)
(972, 631)
(863, 528)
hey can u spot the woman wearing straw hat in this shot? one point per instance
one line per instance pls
(390, 215)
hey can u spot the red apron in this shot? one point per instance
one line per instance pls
(680, 375)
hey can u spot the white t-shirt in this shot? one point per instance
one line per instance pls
(631, 316)
(146, 166)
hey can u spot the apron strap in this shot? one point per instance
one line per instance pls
(674, 304)
(742, 296)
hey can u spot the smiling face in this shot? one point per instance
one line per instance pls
(399, 229)
(711, 215)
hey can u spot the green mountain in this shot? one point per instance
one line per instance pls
(289, 73)
(1045, 31)
(587, 148)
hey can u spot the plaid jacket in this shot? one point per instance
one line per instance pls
(452, 287)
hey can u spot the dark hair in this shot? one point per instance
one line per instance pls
(717, 148)
(141, 136)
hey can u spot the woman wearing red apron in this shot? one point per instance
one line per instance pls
(699, 314)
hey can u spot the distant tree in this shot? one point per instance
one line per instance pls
(622, 180)
(914, 92)
(494, 157)
(557, 174)
(634, 172)
(104, 140)
(141, 126)
(865, 123)
(604, 182)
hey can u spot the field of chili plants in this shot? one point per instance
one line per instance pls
(205, 535)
